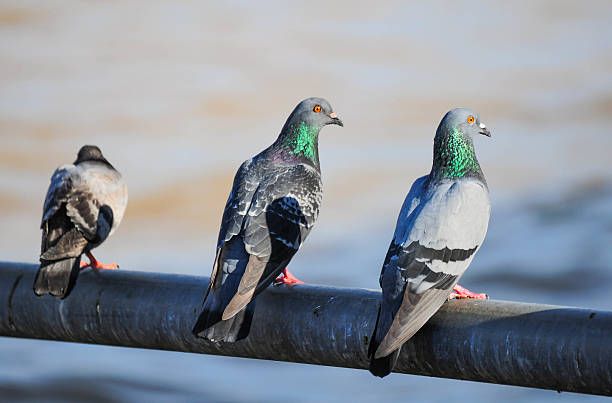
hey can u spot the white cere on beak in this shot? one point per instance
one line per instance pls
(482, 126)
(333, 115)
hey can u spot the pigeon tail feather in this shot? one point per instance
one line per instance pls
(211, 327)
(57, 277)
(383, 366)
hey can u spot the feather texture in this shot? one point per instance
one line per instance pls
(271, 209)
(440, 228)
(84, 204)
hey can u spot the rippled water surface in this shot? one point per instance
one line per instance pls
(177, 95)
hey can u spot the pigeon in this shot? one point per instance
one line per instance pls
(273, 205)
(84, 206)
(441, 226)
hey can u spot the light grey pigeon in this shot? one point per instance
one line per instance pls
(441, 225)
(270, 211)
(84, 205)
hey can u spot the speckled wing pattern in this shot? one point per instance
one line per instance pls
(90, 200)
(246, 182)
(83, 206)
(284, 210)
(239, 201)
(271, 208)
(61, 238)
(439, 229)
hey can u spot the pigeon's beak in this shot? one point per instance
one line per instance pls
(335, 120)
(483, 130)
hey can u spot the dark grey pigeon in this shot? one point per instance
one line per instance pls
(440, 228)
(84, 205)
(270, 211)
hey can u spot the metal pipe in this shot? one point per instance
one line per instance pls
(540, 346)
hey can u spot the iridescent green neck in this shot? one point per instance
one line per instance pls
(454, 155)
(303, 141)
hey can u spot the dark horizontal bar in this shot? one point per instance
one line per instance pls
(540, 346)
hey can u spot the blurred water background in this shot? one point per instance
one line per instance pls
(178, 94)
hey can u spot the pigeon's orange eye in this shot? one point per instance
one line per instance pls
(317, 108)
(471, 119)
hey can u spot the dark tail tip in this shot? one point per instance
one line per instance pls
(206, 319)
(209, 326)
(383, 366)
(56, 277)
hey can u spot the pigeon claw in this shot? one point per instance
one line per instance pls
(105, 266)
(96, 264)
(287, 278)
(463, 293)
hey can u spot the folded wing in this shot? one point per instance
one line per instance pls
(438, 233)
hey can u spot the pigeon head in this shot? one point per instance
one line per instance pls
(454, 154)
(301, 130)
(463, 120)
(90, 153)
(314, 112)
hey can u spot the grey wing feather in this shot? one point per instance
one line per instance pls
(412, 293)
(60, 239)
(67, 244)
(246, 288)
(414, 312)
(283, 212)
(68, 188)
(437, 235)
(91, 199)
(97, 201)
(284, 209)
(238, 203)
(59, 191)
(84, 203)
(405, 217)
(83, 208)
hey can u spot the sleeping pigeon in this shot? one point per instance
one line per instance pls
(84, 205)
(440, 227)
(273, 205)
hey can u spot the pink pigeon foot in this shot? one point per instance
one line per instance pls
(96, 264)
(287, 278)
(463, 293)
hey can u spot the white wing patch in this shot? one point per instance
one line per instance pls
(454, 268)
